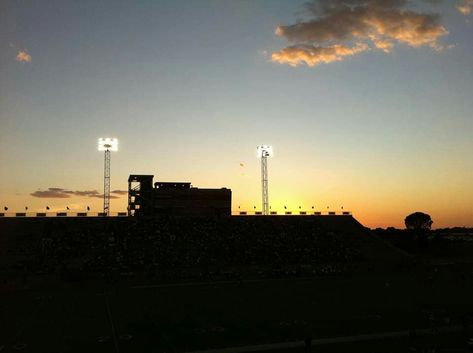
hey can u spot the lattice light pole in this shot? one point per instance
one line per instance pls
(263, 152)
(107, 145)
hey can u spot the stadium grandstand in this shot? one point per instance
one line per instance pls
(167, 279)
(187, 247)
(220, 284)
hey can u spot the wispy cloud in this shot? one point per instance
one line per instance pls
(82, 193)
(313, 55)
(120, 192)
(465, 7)
(100, 196)
(338, 29)
(23, 56)
(51, 193)
(60, 193)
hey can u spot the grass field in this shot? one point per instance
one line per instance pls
(147, 317)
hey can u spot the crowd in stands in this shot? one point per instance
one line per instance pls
(223, 248)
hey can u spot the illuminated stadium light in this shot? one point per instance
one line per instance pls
(264, 151)
(108, 144)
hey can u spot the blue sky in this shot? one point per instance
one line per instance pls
(189, 89)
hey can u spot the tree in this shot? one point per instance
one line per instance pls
(418, 221)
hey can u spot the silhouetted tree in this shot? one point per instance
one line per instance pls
(419, 225)
(418, 221)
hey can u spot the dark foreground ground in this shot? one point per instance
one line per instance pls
(414, 310)
(231, 285)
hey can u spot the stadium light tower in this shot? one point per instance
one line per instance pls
(107, 145)
(263, 152)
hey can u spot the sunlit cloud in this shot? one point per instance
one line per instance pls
(313, 56)
(384, 45)
(465, 7)
(23, 56)
(338, 29)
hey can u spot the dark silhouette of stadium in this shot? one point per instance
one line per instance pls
(175, 199)
(180, 274)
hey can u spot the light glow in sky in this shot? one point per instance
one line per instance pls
(107, 144)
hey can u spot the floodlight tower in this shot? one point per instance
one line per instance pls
(107, 145)
(263, 152)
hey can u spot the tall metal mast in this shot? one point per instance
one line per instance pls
(106, 183)
(264, 152)
(107, 145)
(264, 184)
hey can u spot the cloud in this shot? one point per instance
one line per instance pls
(51, 193)
(313, 56)
(338, 29)
(465, 7)
(60, 193)
(83, 193)
(100, 196)
(23, 56)
(119, 192)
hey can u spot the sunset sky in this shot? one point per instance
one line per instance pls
(368, 105)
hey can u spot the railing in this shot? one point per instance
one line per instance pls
(60, 214)
(125, 214)
(300, 213)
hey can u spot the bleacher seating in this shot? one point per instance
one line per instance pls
(229, 245)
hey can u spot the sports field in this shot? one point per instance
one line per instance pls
(367, 311)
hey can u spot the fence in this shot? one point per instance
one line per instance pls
(300, 213)
(61, 214)
(125, 214)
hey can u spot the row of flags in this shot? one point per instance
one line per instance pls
(88, 208)
(300, 207)
(47, 208)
